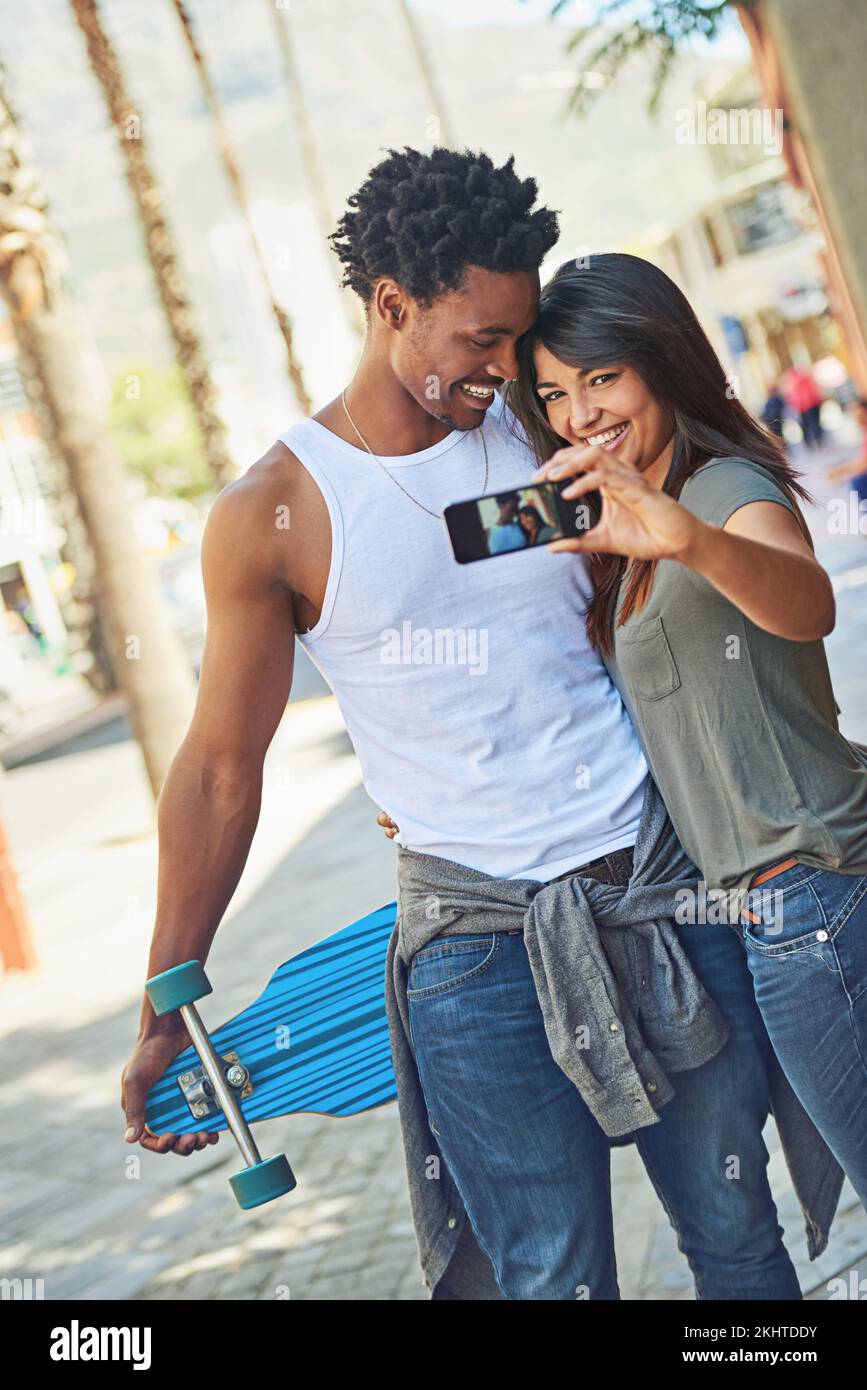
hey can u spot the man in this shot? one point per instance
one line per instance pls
(523, 767)
(507, 533)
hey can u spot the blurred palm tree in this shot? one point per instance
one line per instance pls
(302, 127)
(433, 95)
(159, 242)
(659, 27)
(236, 183)
(148, 659)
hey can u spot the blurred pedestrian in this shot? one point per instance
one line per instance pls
(855, 469)
(774, 410)
(805, 398)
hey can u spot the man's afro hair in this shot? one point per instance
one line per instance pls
(421, 219)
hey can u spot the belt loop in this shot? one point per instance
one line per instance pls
(765, 876)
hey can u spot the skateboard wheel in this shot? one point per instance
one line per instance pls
(183, 984)
(263, 1182)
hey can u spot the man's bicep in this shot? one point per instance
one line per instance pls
(249, 651)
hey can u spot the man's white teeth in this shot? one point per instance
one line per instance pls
(608, 435)
(481, 391)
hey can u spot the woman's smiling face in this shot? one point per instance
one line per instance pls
(609, 406)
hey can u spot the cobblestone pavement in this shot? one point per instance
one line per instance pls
(95, 1219)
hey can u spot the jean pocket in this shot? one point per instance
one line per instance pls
(808, 915)
(766, 927)
(838, 896)
(448, 963)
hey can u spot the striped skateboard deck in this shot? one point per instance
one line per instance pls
(316, 1039)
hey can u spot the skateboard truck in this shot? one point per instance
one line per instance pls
(198, 1092)
(218, 1084)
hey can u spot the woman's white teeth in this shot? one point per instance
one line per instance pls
(608, 435)
(481, 391)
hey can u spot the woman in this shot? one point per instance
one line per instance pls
(536, 529)
(709, 608)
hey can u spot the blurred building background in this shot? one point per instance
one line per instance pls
(750, 258)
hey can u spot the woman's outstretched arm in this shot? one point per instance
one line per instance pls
(759, 560)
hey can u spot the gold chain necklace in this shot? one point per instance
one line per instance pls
(438, 515)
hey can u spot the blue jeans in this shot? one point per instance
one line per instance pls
(807, 953)
(532, 1164)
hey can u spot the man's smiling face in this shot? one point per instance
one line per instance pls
(453, 354)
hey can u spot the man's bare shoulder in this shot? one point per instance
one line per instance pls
(274, 480)
(270, 520)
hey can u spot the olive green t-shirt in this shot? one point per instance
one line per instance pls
(739, 727)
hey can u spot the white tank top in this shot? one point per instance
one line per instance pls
(486, 725)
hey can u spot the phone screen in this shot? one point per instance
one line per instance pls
(521, 518)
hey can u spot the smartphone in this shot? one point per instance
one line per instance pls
(520, 518)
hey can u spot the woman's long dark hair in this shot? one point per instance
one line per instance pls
(530, 510)
(620, 309)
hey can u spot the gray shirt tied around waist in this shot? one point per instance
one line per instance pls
(622, 1009)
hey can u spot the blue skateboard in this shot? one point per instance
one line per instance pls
(316, 1039)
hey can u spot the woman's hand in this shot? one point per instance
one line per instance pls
(388, 825)
(760, 560)
(638, 519)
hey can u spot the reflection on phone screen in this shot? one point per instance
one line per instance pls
(518, 519)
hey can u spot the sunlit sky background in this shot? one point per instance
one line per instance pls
(503, 71)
